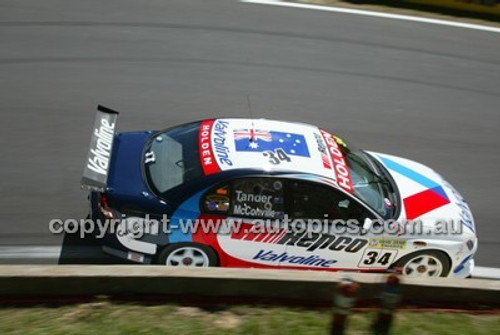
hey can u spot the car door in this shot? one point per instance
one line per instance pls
(333, 237)
(254, 208)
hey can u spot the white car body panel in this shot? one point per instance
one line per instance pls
(227, 144)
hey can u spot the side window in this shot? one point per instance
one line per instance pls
(312, 201)
(217, 200)
(260, 198)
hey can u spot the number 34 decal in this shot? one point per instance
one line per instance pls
(377, 258)
(277, 156)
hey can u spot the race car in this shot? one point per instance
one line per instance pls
(257, 193)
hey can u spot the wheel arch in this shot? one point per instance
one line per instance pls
(399, 262)
(162, 250)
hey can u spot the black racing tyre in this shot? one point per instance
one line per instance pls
(187, 254)
(425, 263)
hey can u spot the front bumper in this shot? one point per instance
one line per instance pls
(465, 269)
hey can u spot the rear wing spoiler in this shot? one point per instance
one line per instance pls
(95, 173)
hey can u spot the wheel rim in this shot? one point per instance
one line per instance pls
(423, 266)
(187, 257)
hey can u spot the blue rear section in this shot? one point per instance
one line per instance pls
(125, 173)
(126, 185)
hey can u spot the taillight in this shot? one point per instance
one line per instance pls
(104, 207)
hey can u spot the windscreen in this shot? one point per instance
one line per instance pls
(370, 182)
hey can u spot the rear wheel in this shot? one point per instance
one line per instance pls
(424, 264)
(188, 255)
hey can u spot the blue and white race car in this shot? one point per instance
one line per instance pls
(271, 194)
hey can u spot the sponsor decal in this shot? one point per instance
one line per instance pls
(465, 213)
(98, 160)
(219, 140)
(314, 260)
(212, 146)
(387, 243)
(261, 198)
(207, 157)
(247, 210)
(342, 173)
(377, 258)
(258, 233)
(258, 140)
(322, 150)
(219, 203)
(313, 241)
(423, 202)
(309, 241)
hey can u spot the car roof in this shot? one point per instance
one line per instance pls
(268, 145)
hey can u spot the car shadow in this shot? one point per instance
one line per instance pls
(77, 250)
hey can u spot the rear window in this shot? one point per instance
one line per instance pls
(171, 157)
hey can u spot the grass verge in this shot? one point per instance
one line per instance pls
(111, 318)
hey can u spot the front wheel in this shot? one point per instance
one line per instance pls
(424, 264)
(188, 255)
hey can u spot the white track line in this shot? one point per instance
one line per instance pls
(484, 272)
(28, 252)
(376, 14)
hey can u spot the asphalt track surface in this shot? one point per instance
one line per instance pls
(426, 92)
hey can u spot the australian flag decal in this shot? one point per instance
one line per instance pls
(262, 140)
